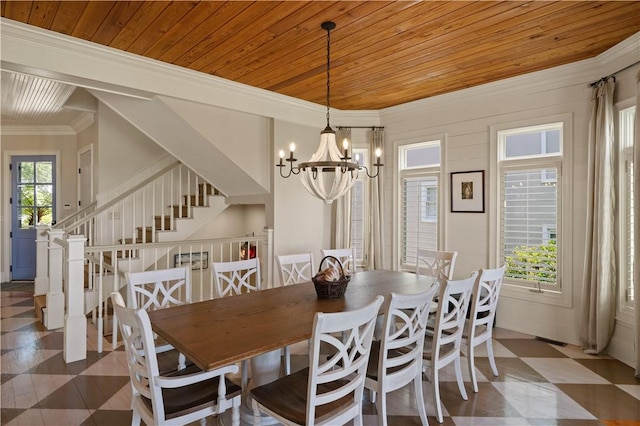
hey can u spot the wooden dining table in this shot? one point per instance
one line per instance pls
(219, 332)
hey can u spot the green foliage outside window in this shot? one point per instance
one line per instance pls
(533, 263)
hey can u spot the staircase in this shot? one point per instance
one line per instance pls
(177, 222)
(168, 204)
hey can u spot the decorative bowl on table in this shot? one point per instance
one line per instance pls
(331, 282)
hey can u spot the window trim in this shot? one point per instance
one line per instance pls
(405, 147)
(564, 297)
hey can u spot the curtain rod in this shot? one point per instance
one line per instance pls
(360, 127)
(613, 75)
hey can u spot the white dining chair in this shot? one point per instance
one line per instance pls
(346, 256)
(443, 347)
(329, 392)
(177, 399)
(396, 359)
(236, 277)
(294, 269)
(436, 263)
(159, 289)
(479, 326)
(233, 278)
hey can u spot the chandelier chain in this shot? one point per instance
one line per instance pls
(328, 74)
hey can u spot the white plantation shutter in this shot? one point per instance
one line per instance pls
(529, 221)
(626, 135)
(419, 228)
(630, 203)
(358, 219)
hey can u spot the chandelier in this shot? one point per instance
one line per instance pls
(329, 173)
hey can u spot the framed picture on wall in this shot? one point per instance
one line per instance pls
(467, 192)
(198, 260)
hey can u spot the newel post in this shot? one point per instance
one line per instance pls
(75, 323)
(41, 282)
(54, 317)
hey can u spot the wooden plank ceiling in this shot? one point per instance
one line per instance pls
(382, 53)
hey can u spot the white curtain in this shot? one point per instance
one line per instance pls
(636, 226)
(598, 298)
(376, 241)
(341, 209)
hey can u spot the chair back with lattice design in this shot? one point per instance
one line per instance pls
(396, 360)
(295, 268)
(486, 292)
(401, 347)
(346, 256)
(231, 278)
(139, 346)
(151, 290)
(453, 304)
(347, 337)
(435, 263)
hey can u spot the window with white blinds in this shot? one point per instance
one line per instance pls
(357, 220)
(419, 229)
(529, 218)
(359, 203)
(626, 131)
(419, 200)
(529, 215)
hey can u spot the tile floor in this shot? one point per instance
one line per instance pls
(539, 383)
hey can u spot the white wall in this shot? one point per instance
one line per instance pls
(89, 137)
(61, 145)
(234, 221)
(244, 138)
(122, 149)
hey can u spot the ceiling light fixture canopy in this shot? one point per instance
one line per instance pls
(329, 173)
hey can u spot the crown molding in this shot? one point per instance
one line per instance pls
(620, 56)
(62, 130)
(86, 64)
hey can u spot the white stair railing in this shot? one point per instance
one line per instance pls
(107, 265)
(152, 204)
(75, 223)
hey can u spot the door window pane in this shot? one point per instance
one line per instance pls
(44, 195)
(44, 171)
(26, 217)
(25, 172)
